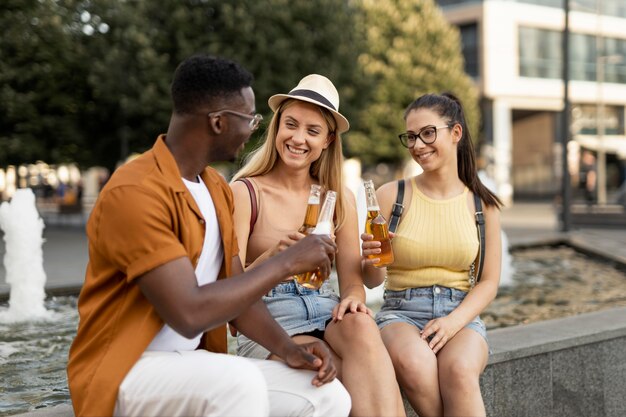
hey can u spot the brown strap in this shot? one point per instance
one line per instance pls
(254, 211)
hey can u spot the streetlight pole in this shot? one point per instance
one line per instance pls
(566, 191)
(601, 159)
(600, 126)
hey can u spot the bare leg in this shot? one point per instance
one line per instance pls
(416, 368)
(367, 370)
(461, 362)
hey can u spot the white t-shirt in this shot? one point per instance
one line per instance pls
(207, 269)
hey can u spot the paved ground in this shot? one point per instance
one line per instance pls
(66, 254)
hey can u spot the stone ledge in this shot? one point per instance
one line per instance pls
(572, 366)
(537, 338)
(61, 410)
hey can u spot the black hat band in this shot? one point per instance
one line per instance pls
(313, 96)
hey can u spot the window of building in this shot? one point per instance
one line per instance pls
(469, 44)
(444, 3)
(540, 53)
(615, 8)
(541, 56)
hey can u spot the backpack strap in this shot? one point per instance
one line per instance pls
(254, 210)
(480, 226)
(398, 207)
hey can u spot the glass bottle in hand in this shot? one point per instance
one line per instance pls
(312, 210)
(377, 225)
(315, 279)
(310, 218)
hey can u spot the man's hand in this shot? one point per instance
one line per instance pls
(314, 356)
(310, 253)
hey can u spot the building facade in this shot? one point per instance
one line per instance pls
(513, 49)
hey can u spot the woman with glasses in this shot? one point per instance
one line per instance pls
(303, 147)
(429, 319)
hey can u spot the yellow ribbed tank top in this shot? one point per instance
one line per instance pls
(435, 244)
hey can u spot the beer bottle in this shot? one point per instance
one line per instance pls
(377, 225)
(312, 210)
(310, 218)
(314, 279)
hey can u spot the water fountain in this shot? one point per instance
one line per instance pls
(23, 260)
(33, 338)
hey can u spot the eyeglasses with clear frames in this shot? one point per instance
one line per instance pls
(255, 120)
(427, 135)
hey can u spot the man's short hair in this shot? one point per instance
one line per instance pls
(200, 79)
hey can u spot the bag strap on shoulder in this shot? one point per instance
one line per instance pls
(398, 208)
(480, 226)
(254, 210)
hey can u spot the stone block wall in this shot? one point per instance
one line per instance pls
(570, 367)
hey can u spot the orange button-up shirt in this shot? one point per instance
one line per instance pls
(144, 218)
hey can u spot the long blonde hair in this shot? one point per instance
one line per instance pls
(327, 169)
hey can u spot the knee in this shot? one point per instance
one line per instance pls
(244, 382)
(414, 368)
(361, 328)
(240, 391)
(459, 374)
(333, 400)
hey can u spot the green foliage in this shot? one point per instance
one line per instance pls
(411, 50)
(88, 80)
(40, 83)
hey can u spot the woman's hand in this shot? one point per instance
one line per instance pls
(350, 305)
(440, 331)
(371, 247)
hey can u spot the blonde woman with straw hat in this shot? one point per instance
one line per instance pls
(303, 147)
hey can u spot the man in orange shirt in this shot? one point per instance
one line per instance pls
(151, 337)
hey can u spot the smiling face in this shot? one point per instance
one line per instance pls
(302, 135)
(440, 153)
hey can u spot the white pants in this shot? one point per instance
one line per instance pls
(201, 383)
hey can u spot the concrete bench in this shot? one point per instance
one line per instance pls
(575, 366)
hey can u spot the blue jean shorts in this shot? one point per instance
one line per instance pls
(297, 309)
(417, 306)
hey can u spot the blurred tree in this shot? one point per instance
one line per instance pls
(411, 50)
(41, 83)
(88, 80)
(279, 41)
(128, 79)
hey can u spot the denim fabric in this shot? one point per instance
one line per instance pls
(417, 306)
(297, 309)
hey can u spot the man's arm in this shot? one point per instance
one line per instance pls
(191, 309)
(258, 324)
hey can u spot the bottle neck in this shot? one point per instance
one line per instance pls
(370, 196)
(312, 214)
(328, 208)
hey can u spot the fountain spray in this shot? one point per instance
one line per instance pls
(23, 260)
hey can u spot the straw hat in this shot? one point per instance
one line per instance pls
(316, 89)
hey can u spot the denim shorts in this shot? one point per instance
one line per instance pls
(297, 309)
(417, 306)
